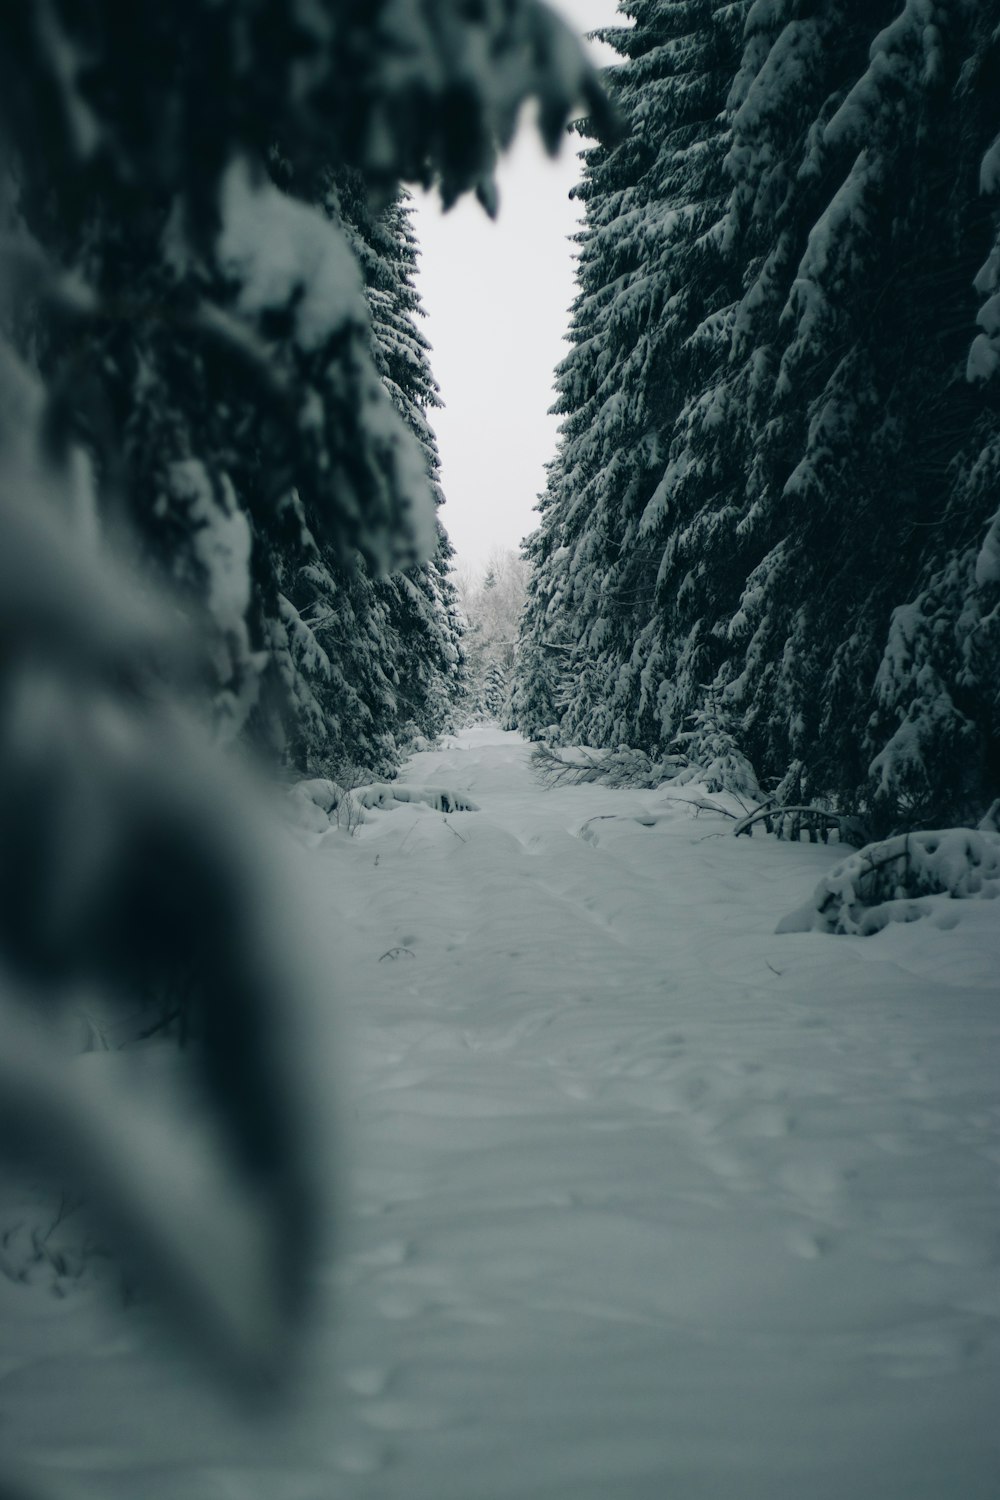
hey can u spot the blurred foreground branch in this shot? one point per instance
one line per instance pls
(194, 403)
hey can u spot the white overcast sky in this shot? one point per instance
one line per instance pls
(497, 297)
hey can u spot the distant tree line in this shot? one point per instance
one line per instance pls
(775, 500)
(491, 605)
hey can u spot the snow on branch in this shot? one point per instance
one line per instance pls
(901, 879)
(577, 764)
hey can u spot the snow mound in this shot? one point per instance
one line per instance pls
(319, 804)
(384, 796)
(901, 879)
(314, 804)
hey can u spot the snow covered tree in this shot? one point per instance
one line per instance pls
(936, 727)
(863, 409)
(709, 514)
(381, 656)
(792, 550)
(492, 606)
(423, 600)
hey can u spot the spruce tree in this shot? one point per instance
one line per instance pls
(810, 548)
(422, 601)
(861, 410)
(492, 607)
(649, 270)
(936, 727)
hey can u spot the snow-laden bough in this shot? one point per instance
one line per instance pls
(901, 879)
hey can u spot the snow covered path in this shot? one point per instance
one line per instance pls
(649, 1200)
(646, 1201)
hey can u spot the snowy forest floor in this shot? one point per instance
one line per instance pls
(645, 1201)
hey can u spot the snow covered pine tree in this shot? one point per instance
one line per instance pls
(388, 649)
(649, 319)
(775, 488)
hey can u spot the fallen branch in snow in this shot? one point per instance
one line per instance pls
(702, 804)
(791, 822)
(576, 765)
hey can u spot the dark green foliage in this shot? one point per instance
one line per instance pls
(795, 527)
(381, 657)
(650, 268)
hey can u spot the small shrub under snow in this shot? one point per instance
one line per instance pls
(386, 796)
(714, 756)
(896, 879)
(318, 805)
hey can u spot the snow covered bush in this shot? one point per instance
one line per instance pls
(319, 804)
(892, 881)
